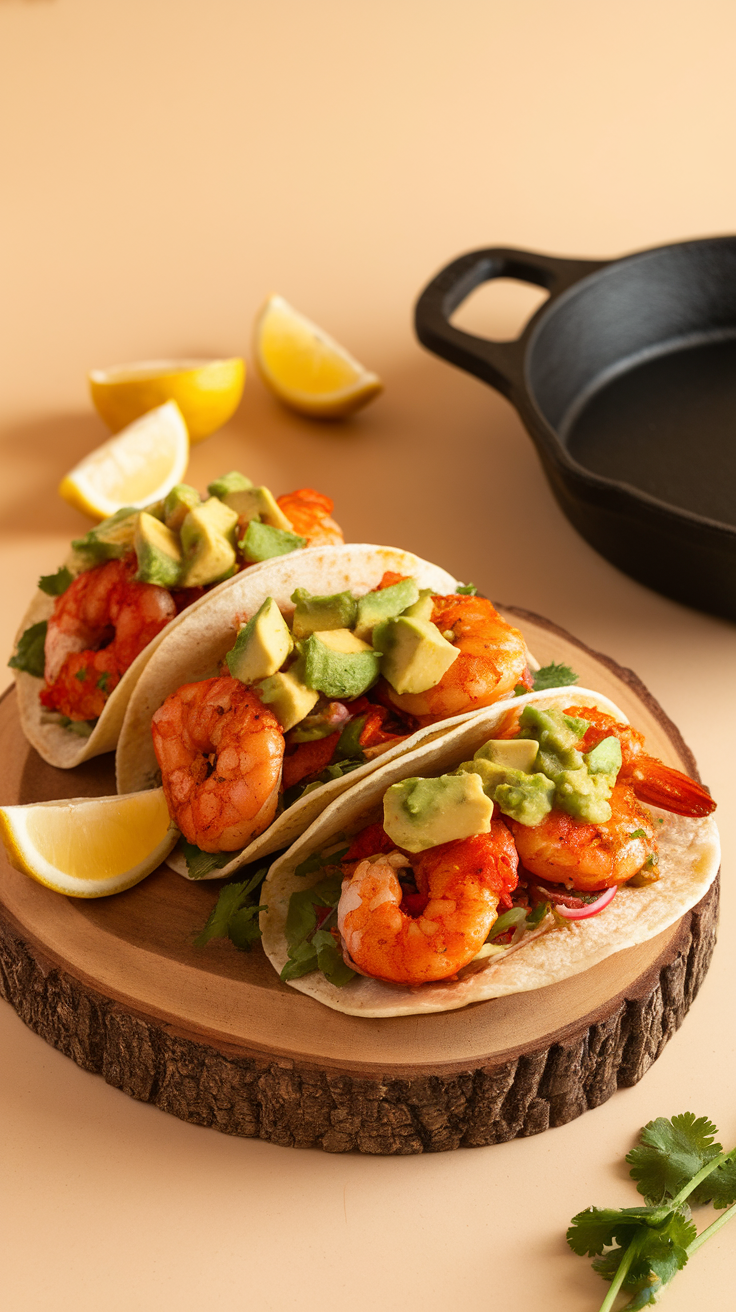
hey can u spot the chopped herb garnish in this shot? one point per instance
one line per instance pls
(29, 654)
(81, 674)
(82, 727)
(235, 914)
(466, 589)
(56, 584)
(320, 861)
(640, 1249)
(334, 771)
(638, 833)
(553, 676)
(201, 863)
(310, 945)
(103, 681)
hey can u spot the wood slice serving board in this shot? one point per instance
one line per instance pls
(213, 1036)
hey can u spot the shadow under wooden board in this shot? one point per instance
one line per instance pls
(211, 1035)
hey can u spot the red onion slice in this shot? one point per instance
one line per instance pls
(592, 909)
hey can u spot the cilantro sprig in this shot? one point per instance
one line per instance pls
(235, 914)
(677, 1165)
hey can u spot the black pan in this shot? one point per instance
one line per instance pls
(626, 381)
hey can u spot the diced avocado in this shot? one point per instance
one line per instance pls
(180, 500)
(110, 540)
(262, 645)
(515, 753)
(605, 758)
(556, 734)
(156, 509)
(422, 813)
(385, 604)
(334, 611)
(415, 655)
(158, 552)
(262, 541)
(527, 798)
(335, 671)
(584, 796)
(227, 483)
(423, 608)
(342, 640)
(289, 698)
(258, 503)
(206, 534)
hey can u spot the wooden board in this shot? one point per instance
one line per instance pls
(213, 1036)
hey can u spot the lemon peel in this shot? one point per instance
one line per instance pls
(137, 467)
(305, 367)
(207, 392)
(89, 847)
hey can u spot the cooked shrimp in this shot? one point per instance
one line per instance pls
(220, 752)
(491, 663)
(96, 630)
(462, 883)
(652, 780)
(310, 512)
(587, 856)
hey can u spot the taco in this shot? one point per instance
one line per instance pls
(94, 624)
(335, 659)
(525, 846)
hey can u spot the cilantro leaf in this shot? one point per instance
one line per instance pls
(592, 1230)
(671, 1153)
(719, 1188)
(29, 653)
(330, 960)
(320, 860)
(466, 589)
(201, 863)
(553, 676)
(233, 915)
(56, 584)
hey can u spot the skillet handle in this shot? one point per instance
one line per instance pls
(499, 363)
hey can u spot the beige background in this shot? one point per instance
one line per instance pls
(164, 165)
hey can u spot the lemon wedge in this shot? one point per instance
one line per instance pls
(306, 368)
(89, 847)
(137, 467)
(207, 392)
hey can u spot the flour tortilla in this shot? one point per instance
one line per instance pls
(198, 643)
(689, 857)
(63, 747)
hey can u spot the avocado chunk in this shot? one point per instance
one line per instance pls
(415, 655)
(180, 500)
(385, 604)
(258, 503)
(110, 540)
(422, 813)
(227, 483)
(516, 753)
(527, 798)
(312, 614)
(206, 539)
(423, 608)
(262, 541)
(339, 664)
(158, 552)
(262, 645)
(288, 697)
(605, 757)
(580, 790)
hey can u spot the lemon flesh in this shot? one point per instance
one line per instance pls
(139, 466)
(89, 847)
(207, 392)
(305, 367)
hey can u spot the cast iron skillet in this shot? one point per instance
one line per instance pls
(626, 381)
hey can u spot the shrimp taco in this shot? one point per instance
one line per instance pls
(295, 683)
(527, 845)
(94, 624)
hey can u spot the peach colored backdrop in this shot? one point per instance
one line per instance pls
(166, 164)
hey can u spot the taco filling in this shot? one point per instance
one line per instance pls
(130, 576)
(532, 839)
(306, 698)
